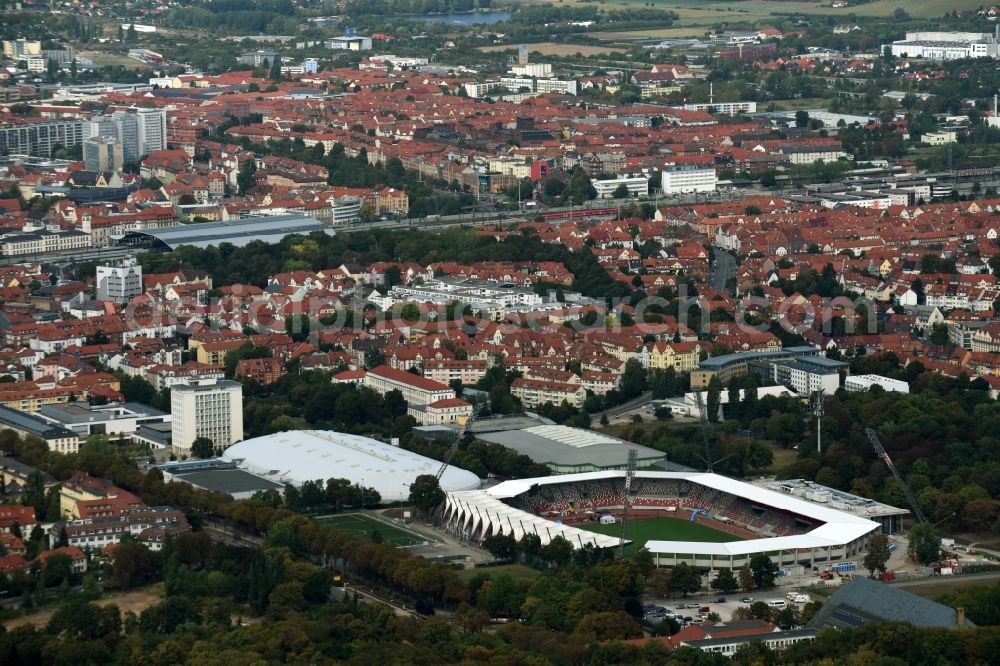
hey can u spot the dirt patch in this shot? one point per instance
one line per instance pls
(554, 49)
(135, 601)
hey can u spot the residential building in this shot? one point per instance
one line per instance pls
(149, 525)
(101, 153)
(448, 370)
(261, 370)
(536, 392)
(681, 356)
(119, 283)
(140, 131)
(206, 408)
(416, 390)
(687, 179)
(40, 138)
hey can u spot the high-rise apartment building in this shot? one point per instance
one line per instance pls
(140, 131)
(119, 283)
(211, 408)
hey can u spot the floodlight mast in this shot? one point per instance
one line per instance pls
(880, 452)
(633, 456)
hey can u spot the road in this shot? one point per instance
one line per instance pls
(631, 405)
(723, 268)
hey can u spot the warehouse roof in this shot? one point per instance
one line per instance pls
(235, 232)
(297, 456)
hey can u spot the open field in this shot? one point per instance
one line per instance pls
(518, 572)
(102, 59)
(135, 601)
(656, 33)
(358, 524)
(554, 49)
(661, 529)
(706, 13)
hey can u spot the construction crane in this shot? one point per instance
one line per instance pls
(633, 456)
(880, 452)
(703, 412)
(454, 445)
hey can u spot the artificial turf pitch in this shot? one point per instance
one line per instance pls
(358, 524)
(641, 530)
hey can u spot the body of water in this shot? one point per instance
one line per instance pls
(464, 18)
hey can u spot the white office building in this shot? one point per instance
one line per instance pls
(638, 186)
(345, 209)
(857, 383)
(687, 179)
(119, 283)
(211, 408)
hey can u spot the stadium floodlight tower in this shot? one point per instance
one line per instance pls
(703, 413)
(454, 445)
(633, 456)
(817, 409)
(880, 452)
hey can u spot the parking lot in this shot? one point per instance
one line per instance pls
(725, 610)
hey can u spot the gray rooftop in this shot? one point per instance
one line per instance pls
(235, 232)
(863, 600)
(560, 446)
(27, 423)
(226, 480)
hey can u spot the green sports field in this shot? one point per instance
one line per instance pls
(661, 529)
(359, 524)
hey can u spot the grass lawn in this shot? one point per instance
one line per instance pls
(661, 529)
(359, 524)
(518, 572)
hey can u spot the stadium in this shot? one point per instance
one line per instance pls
(706, 520)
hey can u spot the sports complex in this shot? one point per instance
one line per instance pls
(706, 520)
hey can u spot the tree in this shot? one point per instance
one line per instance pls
(763, 570)
(877, 555)
(246, 180)
(925, 548)
(426, 493)
(202, 447)
(621, 192)
(684, 579)
(801, 118)
(633, 380)
(746, 578)
(501, 546)
(367, 214)
(714, 400)
(725, 581)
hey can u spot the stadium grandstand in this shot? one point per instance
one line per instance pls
(271, 230)
(745, 519)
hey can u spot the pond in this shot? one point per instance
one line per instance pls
(464, 18)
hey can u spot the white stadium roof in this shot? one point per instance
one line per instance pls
(838, 527)
(297, 456)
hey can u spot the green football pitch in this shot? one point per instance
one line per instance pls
(661, 529)
(361, 525)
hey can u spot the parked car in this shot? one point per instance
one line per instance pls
(746, 600)
(776, 603)
(720, 600)
(694, 605)
(704, 609)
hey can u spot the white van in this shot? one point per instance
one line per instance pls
(776, 603)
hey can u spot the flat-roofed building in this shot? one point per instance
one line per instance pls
(206, 408)
(56, 437)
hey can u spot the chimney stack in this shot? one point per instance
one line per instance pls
(960, 617)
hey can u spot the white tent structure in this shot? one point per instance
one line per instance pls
(297, 456)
